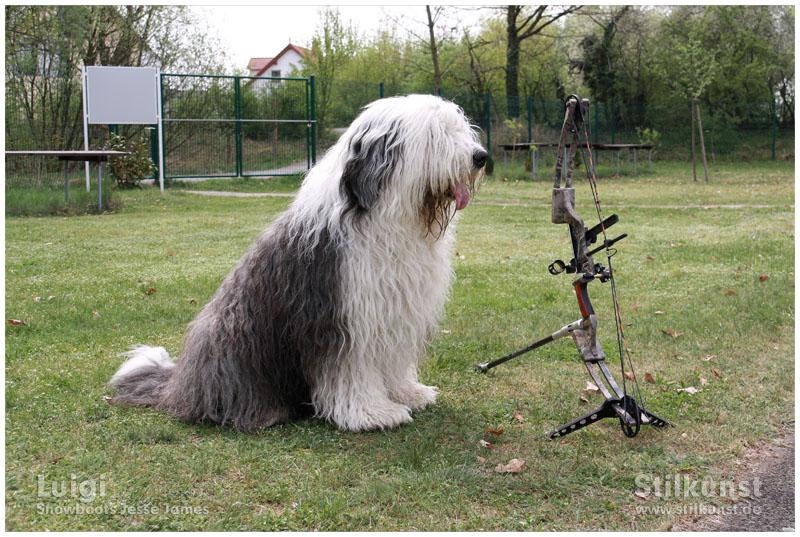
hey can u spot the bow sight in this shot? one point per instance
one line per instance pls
(627, 407)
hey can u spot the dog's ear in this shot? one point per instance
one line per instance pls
(370, 160)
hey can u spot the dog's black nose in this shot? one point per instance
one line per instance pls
(479, 158)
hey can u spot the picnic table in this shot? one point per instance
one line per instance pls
(98, 156)
(533, 147)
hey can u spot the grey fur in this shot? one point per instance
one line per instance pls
(251, 353)
(371, 159)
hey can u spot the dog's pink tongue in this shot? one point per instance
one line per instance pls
(462, 196)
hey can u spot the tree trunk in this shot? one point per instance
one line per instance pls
(437, 75)
(694, 156)
(702, 143)
(512, 61)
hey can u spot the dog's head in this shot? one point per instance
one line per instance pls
(417, 156)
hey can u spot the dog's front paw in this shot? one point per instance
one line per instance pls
(383, 416)
(417, 396)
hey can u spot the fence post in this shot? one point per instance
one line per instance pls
(162, 174)
(489, 123)
(530, 119)
(381, 89)
(237, 105)
(154, 149)
(613, 121)
(313, 106)
(774, 124)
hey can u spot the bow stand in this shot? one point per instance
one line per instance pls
(619, 403)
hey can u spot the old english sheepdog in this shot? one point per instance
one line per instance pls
(330, 311)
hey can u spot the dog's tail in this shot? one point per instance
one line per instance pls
(142, 378)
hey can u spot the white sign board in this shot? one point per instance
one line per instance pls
(122, 95)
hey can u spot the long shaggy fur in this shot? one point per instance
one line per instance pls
(330, 310)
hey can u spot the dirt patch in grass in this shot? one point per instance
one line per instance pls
(771, 508)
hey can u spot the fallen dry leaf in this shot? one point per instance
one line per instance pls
(629, 375)
(445, 332)
(763, 278)
(591, 387)
(95, 314)
(716, 374)
(17, 322)
(703, 381)
(641, 494)
(709, 357)
(691, 390)
(675, 335)
(514, 466)
(649, 378)
(498, 432)
(484, 444)
(150, 291)
(584, 400)
(37, 298)
(730, 292)
(658, 313)
(481, 459)
(650, 258)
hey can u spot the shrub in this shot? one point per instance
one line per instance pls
(128, 170)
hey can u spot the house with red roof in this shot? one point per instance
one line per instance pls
(281, 65)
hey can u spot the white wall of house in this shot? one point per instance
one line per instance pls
(285, 64)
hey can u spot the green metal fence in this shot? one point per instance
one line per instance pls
(732, 130)
(226, 126)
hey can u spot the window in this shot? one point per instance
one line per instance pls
(276, 72)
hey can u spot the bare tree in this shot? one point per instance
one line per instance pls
(439, 30)
(437, 75)
(522, 24)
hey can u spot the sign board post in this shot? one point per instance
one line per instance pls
(123, 95)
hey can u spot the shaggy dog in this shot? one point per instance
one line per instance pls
(331, 309)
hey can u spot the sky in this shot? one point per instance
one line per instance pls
(263, 31)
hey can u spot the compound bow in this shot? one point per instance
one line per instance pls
(627, 407)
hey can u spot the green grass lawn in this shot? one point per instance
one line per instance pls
(711, 263)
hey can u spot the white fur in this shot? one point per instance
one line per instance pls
(397, 275)
(140, 357)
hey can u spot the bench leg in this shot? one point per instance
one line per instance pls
(635, 168)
